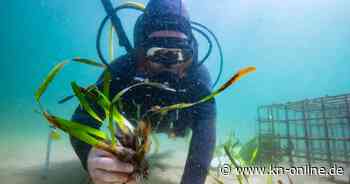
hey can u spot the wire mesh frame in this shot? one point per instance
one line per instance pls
(311, 130)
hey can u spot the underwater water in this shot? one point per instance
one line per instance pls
(301, 49)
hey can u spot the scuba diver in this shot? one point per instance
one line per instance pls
(166, 51)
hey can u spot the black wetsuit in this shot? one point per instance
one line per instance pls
(200, 119)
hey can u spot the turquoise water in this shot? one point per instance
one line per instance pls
(301, 50)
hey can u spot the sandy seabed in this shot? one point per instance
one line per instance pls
(23, 163)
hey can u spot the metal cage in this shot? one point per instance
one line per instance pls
(309, 131)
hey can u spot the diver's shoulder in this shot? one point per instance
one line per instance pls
(200, 77)
(123, 64)
(123, 60)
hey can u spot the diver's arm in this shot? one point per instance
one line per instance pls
(203, 118)
(121, 70)
(202, 144)
(82, 149)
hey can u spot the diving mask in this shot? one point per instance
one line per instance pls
(168, 56)
(168, 51)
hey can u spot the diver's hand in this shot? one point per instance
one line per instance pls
(105, 168)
